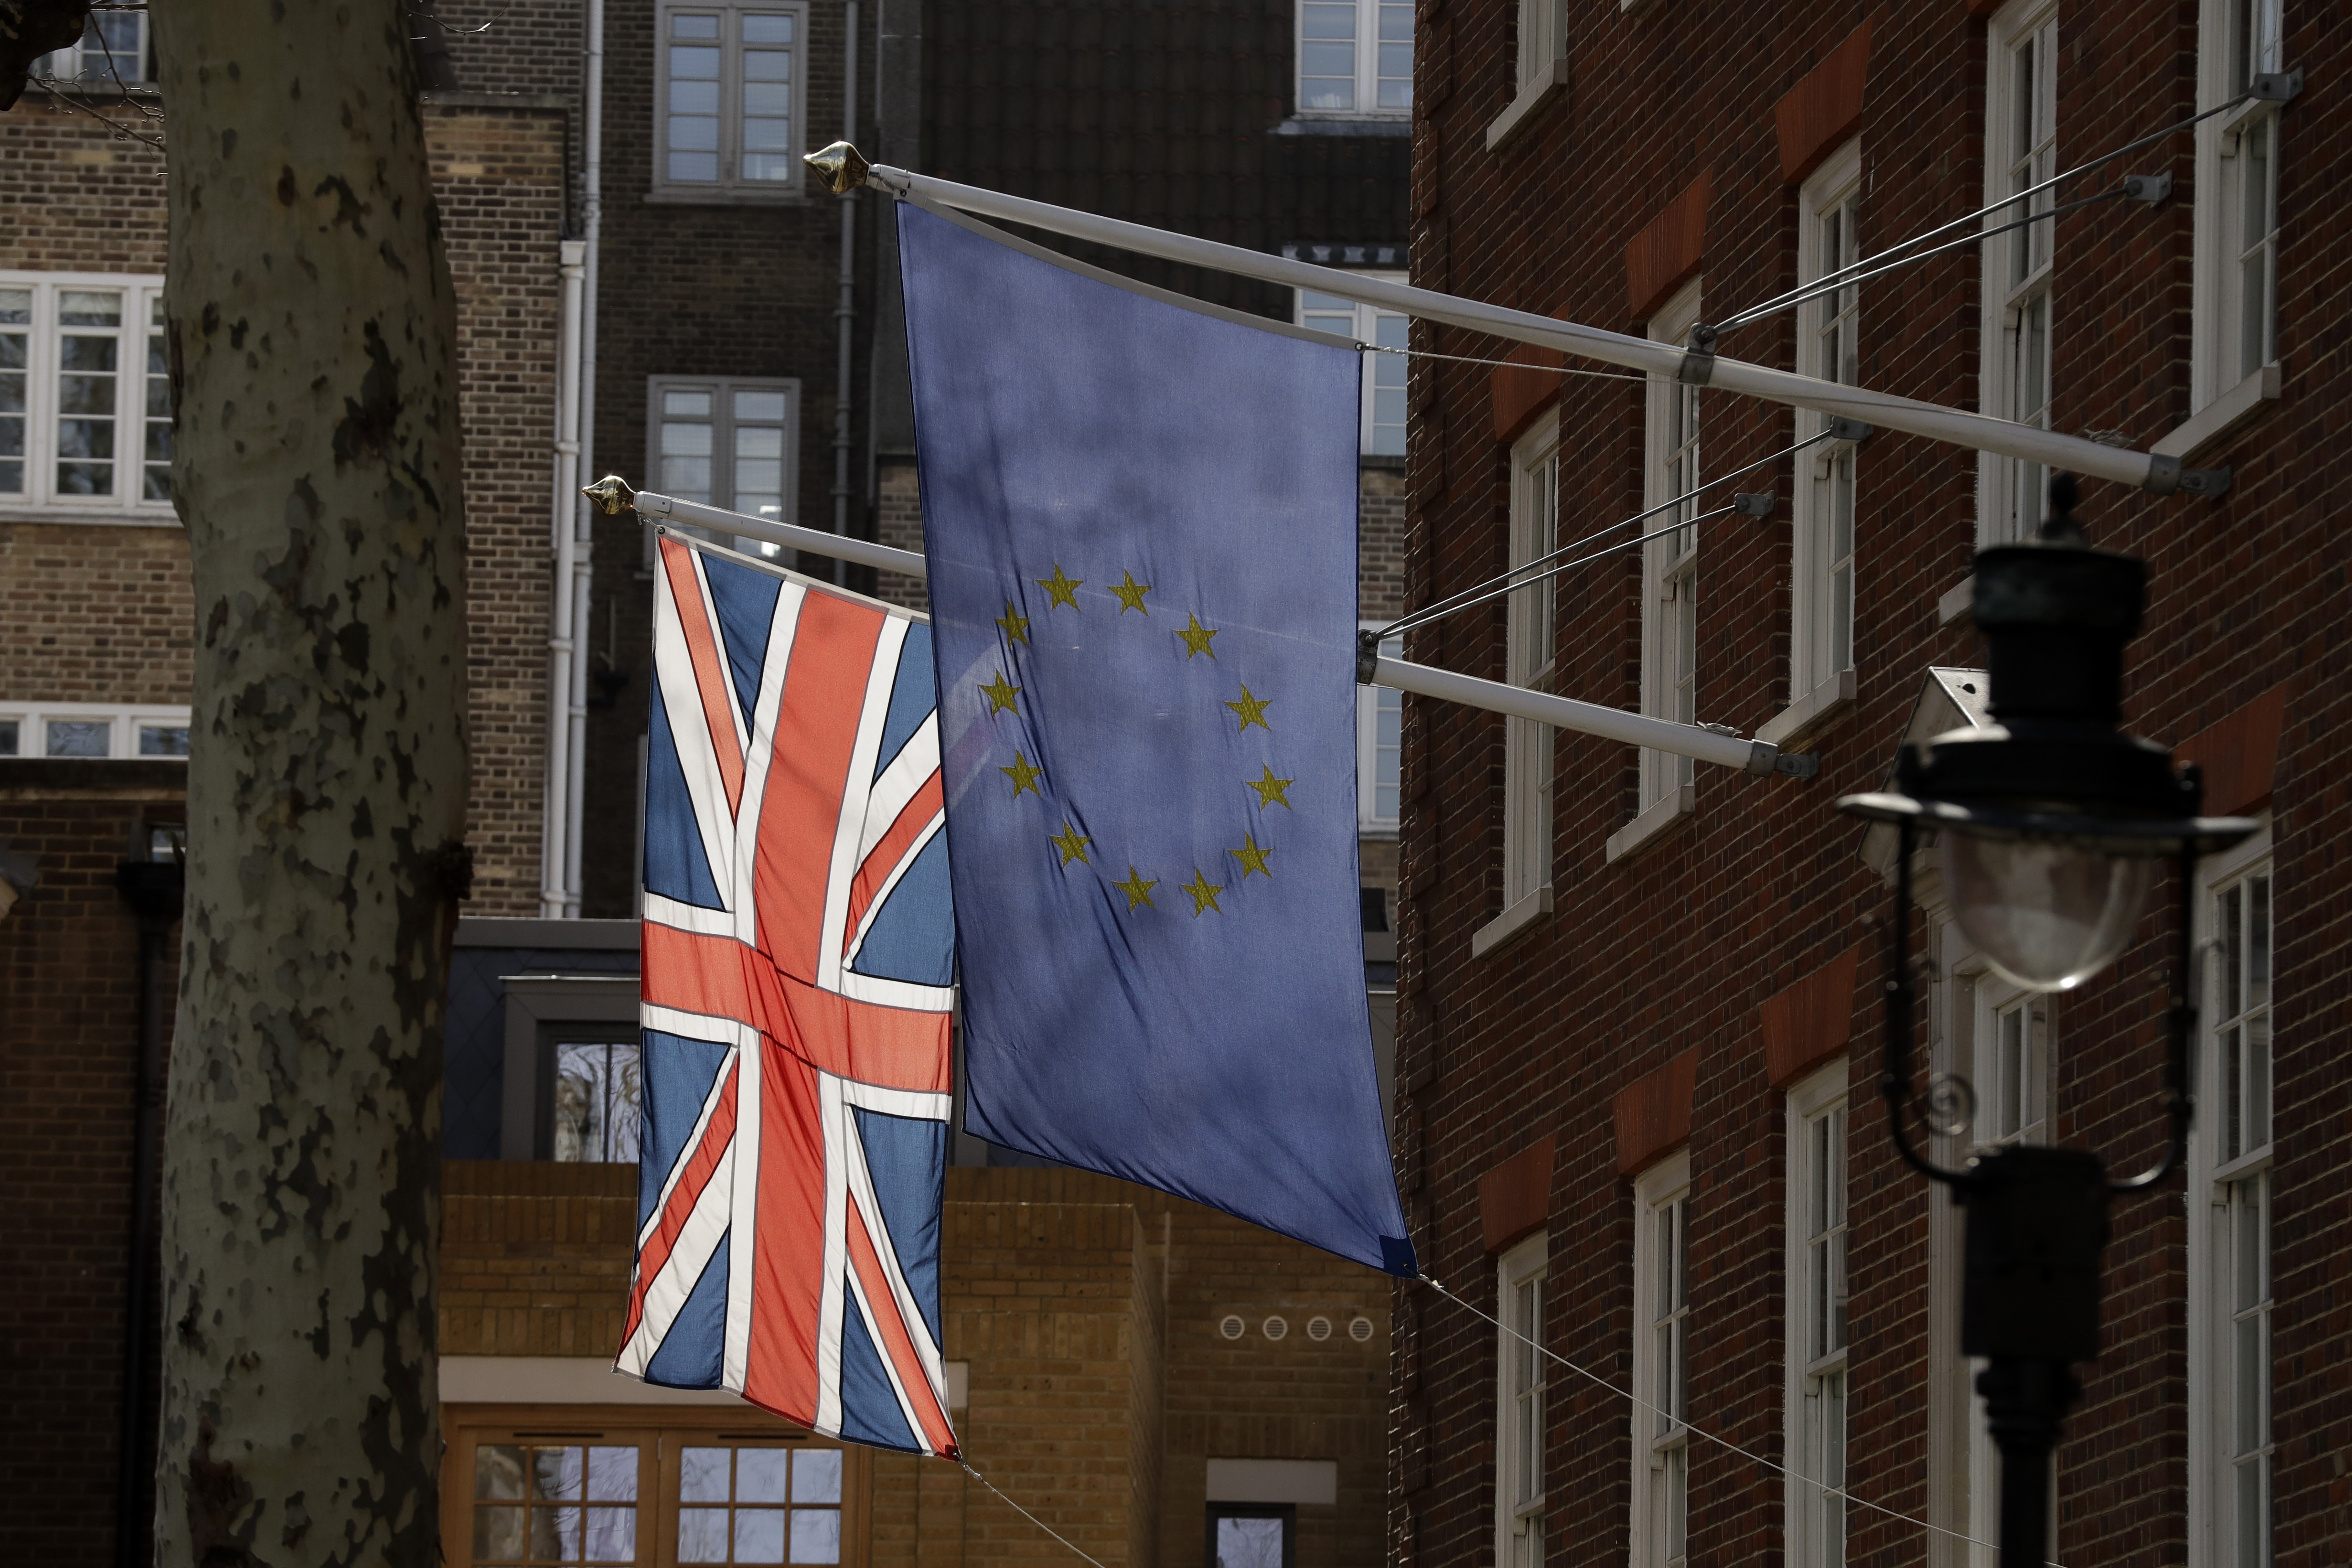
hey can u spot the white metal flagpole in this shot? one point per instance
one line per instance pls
(2160, 476)
(612, 496)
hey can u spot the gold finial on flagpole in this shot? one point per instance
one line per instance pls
(611, 495)
(843, 169)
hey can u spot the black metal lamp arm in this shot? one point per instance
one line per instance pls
(2180, 1027)
(1895, 1085)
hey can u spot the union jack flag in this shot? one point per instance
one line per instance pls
(798, 943)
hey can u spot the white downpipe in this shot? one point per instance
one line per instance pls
(1560, 712)
(845, 306)
(562, 625)
(592, 224)
(1976, 430)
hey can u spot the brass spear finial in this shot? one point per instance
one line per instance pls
(611, 495)
(843, 169)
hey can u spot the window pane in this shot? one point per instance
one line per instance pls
(692, 97)
(768, 65)
(1396, 24)
(498, 1471)
(760, 405)
(816, 1536)
(760, 1474)
(769, 98)
(78, 737)
(162, 740)
(693, 27)
(702, 1533)
(686, 404)
(816, 1474)
(694, 61)
(1328, 59)
(694, 134)
(611, 1475)
(759, 1535)
(7, 737)
(702, 1475)
(1328, 21)
(498, 1534)
(768, 29)
(555, 1535)
(555, 1474)
(612, 1535)
(1249, 1543)
(89, 307)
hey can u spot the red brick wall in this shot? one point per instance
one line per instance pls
(68, 1053)
(1677, 950)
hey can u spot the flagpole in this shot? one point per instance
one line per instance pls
(2160, 476)
(613, 495)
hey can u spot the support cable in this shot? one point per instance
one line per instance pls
(1480, 594)
(1822, 1487)
(1024, 1512)
(2267, 88)
(1507, 364)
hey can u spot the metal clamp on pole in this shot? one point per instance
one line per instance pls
(1758, 504)
(1697, 367)
(2153, 189)
(2165, 475)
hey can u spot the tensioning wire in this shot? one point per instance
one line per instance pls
(1024, 1512)
(1825, 1490)
(1509, 364)
(1526, 572)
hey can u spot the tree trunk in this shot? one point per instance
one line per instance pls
(313, 361)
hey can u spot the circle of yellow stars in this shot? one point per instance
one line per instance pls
(1062, 590)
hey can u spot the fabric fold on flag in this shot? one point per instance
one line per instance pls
(1139, 517)
(796, 993)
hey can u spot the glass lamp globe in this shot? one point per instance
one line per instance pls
(2046, 915)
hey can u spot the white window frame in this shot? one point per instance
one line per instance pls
(40, 499)
(723, 455)
(1520, 1378)
(1529, 641)
(1669, 582)
(1814, 1400)
(85, 63)
(1361, 323)
(1990, 1000)
(2220, 362)
(1378, 761)
(123, 721)
(2215, 1169)
(731, 186)
(1368, 79)
(1822, 552)
(1661, 1443)
(2018, 327)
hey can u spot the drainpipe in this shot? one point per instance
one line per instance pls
(845, 309)
(154, 889)
(592, 210)
(563, 626)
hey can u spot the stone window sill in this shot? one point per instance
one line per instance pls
(1953, 606)
(726, 196)
(157, 517)
(1811, 713)
(2224, 416)
(1535, 906)
(1534, 95)
(1312, 123)
(1651, 825)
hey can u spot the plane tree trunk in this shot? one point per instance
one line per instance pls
(313, 361)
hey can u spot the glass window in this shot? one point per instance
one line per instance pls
(85, 393)
(1380, 732)
(556, 1503)
(8, 737)
(730, 96)
(1817, 1318)
(1355, 57)
(1821, 603)
(162, 740)
(764, 1504)
(1527, 744)
(1252, 1535)
(1660, 1363)
(728, 444)
(1519, 1406)
(1670, 662)
(79, 736)
(112, 52)
(2022, 121)
(1383, 389)
(598, 1114)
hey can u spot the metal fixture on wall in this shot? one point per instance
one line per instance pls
(2049, 822)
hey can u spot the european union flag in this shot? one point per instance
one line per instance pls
(1141, 520)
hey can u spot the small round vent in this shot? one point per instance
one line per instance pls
(1319, 1329)
(1360, 1330)
(1273, 1328)
(1233, 1327)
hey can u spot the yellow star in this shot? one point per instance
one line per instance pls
(1252, 711)
(1253, 858)
(1138, 890)
(1196, 639)
(1064, 589)
(1016, 627)
(1023, 777)
(1205, 893)
(1270, 789)
(1072, 846)
(1130, 594)
(1001, 693)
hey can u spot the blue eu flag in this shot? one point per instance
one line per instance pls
(1141, 520)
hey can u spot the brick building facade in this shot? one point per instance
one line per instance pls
(1638, 1007)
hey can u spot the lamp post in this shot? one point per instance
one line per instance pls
(2049, 824)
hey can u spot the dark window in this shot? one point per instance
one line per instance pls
(1252, 1534)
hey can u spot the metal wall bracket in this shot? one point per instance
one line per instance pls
(2277, 87)
(2166, 475)
(1697, 368)
(1368, 657)
(2153, 189)
(1854, 430)
(1756, 505)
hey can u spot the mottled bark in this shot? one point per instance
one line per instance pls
(313, 347)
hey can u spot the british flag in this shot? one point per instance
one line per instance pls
(798, 948)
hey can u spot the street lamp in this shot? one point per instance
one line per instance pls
(2048, 824)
